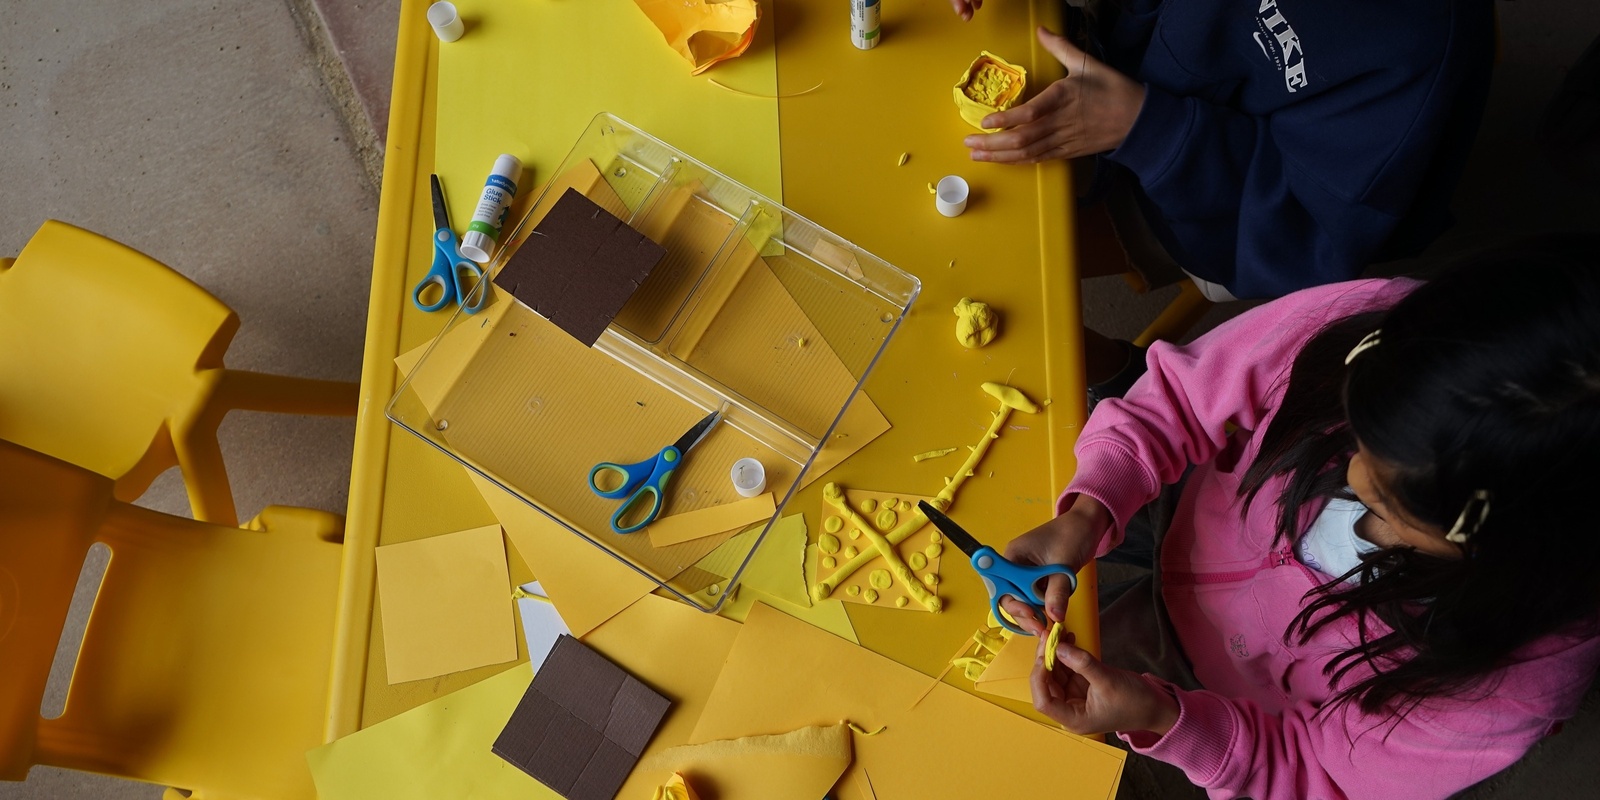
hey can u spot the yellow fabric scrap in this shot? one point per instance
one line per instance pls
(704, 32)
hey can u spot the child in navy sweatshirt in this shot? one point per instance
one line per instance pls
(1272, 145)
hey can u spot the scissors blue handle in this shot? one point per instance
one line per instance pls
(643, 482)
(447, 272)
(1002, 578)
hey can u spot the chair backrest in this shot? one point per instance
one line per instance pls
(205, 663)
(101, 347)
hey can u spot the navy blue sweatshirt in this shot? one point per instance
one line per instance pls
(1289, 143)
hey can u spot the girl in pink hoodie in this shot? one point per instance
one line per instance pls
(1383, 566)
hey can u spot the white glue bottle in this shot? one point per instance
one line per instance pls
(498, 192)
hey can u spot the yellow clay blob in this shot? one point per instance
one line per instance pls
(976, 323)
(988, 83)
(869, 505)
(901, 601)
(852, 590)
(829, 562)
(855, 533)
(881, 579)
(886, 518)
(940, 453)
(932, 579)
(870, 595)
(832, 524)
(917, 561)
(1050, 644)
(828, 543)
(935, 536)
(933, 550)
(851, 552)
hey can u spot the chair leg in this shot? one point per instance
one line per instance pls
(1178, 317)
(204, 474)
(255, 391)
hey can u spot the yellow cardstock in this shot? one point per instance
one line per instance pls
(798, 765)
(1007, 675)
(827, 615)
(697, 524)
(446, 604)
(941, 742)
(861, 579)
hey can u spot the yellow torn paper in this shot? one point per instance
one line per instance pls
(587, 585)
(778, 568)
(446, 604)
(782, 674)
(802, 764)
(1007, 675)
(442, 748)
(710, 521)
(704, 31)
(827, 615)
(676, 788)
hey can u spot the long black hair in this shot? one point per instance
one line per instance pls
(1487, 378)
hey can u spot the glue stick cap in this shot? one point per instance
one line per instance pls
(445, 21)
(749, 477)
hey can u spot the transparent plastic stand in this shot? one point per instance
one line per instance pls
(755, 311)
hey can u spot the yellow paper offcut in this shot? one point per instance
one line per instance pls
(826, 615)
(446, 604)
(799, 765)
(679, 528)
(1008, 674)
(783, 674)
(704, 32)
(442, 748)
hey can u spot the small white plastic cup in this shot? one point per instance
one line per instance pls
(950, 196)
(749, 477)
(445, 21)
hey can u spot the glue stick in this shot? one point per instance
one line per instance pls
(864, 26)
(498, 192)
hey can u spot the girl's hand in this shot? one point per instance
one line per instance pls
(1069, 539)
(964, 8)
(1088, 697)
(1089, 111)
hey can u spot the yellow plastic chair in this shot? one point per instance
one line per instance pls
(113, 362)
(206, 659)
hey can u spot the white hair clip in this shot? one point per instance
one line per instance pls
(1459, 532)
(1367, 343)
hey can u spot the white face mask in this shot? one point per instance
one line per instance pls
(1331, 545)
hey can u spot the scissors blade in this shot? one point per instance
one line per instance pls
(955, 533)
(441, 215)
(687, 441)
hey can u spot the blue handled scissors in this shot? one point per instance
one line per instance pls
(1000, 577)
(450, 266)
(646, 481)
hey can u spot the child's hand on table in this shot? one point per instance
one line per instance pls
(1089, 111)
(1087, 697)
(1069, 539)
(964, 8)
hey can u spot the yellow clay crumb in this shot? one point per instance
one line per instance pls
(988, 84)
(935, 536)
(901, 601)
(933, 550)
(904, 157)
(880, 579)
(852, 590)
(1050, 643)
(917, 561)
(828, 543)
(870, 595)
(855, 533)
(832, 524)
(850, 552)
(940, 453)
(869, 505)
(932, 579)
(932, 190)
(800, 341)
(952, 264)
(828, 562)
(864, 731)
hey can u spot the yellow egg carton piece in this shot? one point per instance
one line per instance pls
(991, 84)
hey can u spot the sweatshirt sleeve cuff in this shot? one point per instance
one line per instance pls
(1157, 136)
(1118, 481)
(1199, 741)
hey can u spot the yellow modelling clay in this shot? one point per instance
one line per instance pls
(880, 579)
(901, 602)
(870, 595)
(853, 590)
(891, 504)
(904, 157)
(886, 518)
(917, 560)
(1011, 398)
(834, 495)
(850, 552)
(869, 505)
(924, 456)
(864, 731)
(976, 323)
(936, 537)
(855, 533)
(829, 562)
(1050, 644)
(933, 550)
(828, 543)
(832, 524)
(932, 579)
(932, 190)
(990, 84)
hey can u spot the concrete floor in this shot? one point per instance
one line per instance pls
(239, 142)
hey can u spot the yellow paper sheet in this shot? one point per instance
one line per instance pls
(778, 568)
(1007, 676)
(441, 749)
(798, 765)
(446, 604)
(704, 32)
(679, 528)
(783, 674)
(529, 76)
(917, 542)
(587, 585)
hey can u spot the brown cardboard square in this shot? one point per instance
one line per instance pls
(579, 266)
(580, 727)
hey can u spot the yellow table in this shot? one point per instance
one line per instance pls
(839, 147)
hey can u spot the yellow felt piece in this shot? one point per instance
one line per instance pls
(799, 765)
(441, 749)
(783, 674)
(704, 32)
(700, 523)
(586, 585)
(917, 542)
(1007, 675)
(528, 77)
(446, 604)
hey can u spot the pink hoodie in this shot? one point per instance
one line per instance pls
(1231, 591)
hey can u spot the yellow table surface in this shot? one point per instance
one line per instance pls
(839, 150)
